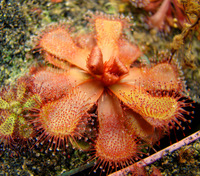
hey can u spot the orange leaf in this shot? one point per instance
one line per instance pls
(59, 43)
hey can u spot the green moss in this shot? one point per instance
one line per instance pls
(184, 161)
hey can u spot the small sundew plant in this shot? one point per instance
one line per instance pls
(97, 77)
(166, 14)
(14, 101)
